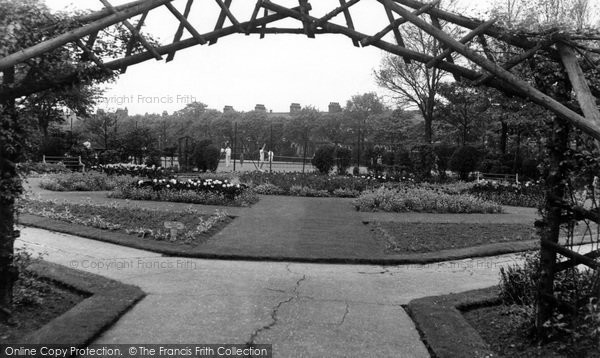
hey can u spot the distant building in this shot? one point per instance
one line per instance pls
(260, 107)
(334, 107)
(228, 109)
(295, 108)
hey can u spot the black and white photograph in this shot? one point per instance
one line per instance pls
(299, 178)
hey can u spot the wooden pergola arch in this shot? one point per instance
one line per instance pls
(572, 51)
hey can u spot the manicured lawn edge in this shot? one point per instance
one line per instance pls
(444, 330)
(79, 326)
(214, 252)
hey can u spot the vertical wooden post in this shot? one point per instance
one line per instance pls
(271, 150)
(234, 143)
(12, 184)
(555, 190)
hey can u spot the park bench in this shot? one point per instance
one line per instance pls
(73, 163)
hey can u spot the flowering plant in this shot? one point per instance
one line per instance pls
(224, 187)
(132, 169)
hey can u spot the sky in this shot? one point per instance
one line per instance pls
(242, 71)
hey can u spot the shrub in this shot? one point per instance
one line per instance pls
(444, 153)
(346, 193)
(422, 200)
(528, 194)
(423, 159)
(324, 159)
(29, 287)
(465, 160)
(576, 317)
(306, 191)
(344, 159)
(90, 181)
(153, 161)
(29, 168)
(206, 156)
(268, 189)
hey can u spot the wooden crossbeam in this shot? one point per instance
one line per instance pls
(179, 32)
(225, 9)
(221, 19)
(436, 22)
(305, 8)
(183, 21)
(133, 31)
(90, 54)
(581, 259)
(589, 127)
(561, 266)
(468, 37)
(496, 32)
(253, 16)
(398, 50)
(395, 29)
(486, 49)
(32, 87)
(334, 13)
(75, 34)
(513, 61)
(586, 100)
(378, 36)
(91, 40)
(131, 41)
(349, 21)
(264, 26)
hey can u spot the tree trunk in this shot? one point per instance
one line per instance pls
(10, 185)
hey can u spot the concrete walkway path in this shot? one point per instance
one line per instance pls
(304, 310)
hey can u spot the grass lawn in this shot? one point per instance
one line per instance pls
(429, 237)
(45, 301)
(144, 223)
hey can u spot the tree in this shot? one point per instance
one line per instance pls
(361, 111)
(462, 108)
(413, 83)
(101, 128)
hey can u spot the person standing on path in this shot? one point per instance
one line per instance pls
(227, 155)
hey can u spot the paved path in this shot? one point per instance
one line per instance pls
(304, 310)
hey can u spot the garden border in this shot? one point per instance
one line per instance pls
(169, 249)
(79, 326)
(443, 328)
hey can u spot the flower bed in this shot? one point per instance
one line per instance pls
(527, 194)
(314, 184)
(140, 222)
(200, 191)
(133, 170)
(91, 181)
(422, 200)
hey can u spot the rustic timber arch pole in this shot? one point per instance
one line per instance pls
(571, 52)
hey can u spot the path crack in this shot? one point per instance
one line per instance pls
(275, 311)
(345, 314)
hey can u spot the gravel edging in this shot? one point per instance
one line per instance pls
(444, 330)
(80, 325)
(215, 252)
